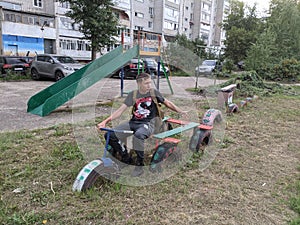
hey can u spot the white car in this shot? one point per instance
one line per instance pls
(207, 67)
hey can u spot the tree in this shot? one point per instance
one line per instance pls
(96, 21)
(281, 38)
(284, 22)
(242, 28)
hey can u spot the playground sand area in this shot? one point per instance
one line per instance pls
(249, 182)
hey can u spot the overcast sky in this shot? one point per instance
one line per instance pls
(262, 5)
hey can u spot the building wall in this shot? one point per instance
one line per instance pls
(45, 28)
(23, 26)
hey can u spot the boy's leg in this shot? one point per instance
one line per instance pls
(116, 141)
(142, 132)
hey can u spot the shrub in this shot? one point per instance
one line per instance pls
(287, 70)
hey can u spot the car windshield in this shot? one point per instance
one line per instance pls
(64, 59)
(209, 63)
(14, 60)
(151, 63)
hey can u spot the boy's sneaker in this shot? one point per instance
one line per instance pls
(138, 171)
(127, 160)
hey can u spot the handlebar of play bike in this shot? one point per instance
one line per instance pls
(116, 131)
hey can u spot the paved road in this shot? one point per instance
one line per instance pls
(15, 95)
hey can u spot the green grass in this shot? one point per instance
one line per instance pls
(38, 168)
(295, 202)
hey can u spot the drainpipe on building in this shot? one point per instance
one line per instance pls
(131, 24)
(1, 35)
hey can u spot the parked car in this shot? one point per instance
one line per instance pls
(208, 67)
(241, 65)
(15, 64)
(131, 69)
(53, 66)
(151, 67)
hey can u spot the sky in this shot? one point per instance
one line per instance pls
(262, 5)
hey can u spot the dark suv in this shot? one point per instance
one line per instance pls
(131, 69)
(151, 67)
(16, 64)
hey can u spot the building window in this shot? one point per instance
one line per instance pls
(206, 7)
(192, 17)
(173, 13)
(65, 5)
(8, 5)
(138, 28)
(205, 17)
(151, 10)
(170, 25)
(38, 3)
(140, 15)
(174, 1)
(150, 24)
(140, 0)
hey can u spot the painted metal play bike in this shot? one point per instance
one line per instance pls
(166, 149)
(104, 166)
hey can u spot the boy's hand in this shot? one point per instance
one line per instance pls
(101, 125)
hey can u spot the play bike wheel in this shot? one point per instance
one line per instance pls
(164, 157)
(199, 139)
(91, 172)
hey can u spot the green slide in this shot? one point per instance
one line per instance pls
(65, 89)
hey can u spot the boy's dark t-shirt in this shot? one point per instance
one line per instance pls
(144, 108)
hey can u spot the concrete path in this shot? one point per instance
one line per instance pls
(15, 95)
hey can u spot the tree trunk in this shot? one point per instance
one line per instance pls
(94, 52)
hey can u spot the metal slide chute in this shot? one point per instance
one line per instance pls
(65, 89)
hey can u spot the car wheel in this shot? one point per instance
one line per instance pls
(34, 74)
(59, 75)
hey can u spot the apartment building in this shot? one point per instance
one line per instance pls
(41, 25)
(27, 27)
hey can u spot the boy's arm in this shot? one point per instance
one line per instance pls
(173, 107)
(113, 116)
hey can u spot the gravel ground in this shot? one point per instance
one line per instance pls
(15, 96)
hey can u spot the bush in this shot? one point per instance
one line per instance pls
(9, 76)
(287, 70)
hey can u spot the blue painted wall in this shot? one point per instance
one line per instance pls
(13, 44)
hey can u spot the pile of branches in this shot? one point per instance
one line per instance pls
(250, 84)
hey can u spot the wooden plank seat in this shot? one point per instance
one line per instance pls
(177, 130)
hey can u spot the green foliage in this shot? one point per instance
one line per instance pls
(261, 54)
(93, 17)
(281, 39)
(284, 22)
(287, 70)
(228, 65)
(173, 56)
(242, 29)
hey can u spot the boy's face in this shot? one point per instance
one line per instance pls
(145, 85)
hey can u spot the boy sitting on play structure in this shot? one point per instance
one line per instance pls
(144, 113)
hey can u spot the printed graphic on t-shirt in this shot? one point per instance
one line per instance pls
(142, 108)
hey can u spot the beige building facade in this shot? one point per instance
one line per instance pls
(40, 26)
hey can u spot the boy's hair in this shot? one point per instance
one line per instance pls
(142, 76)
